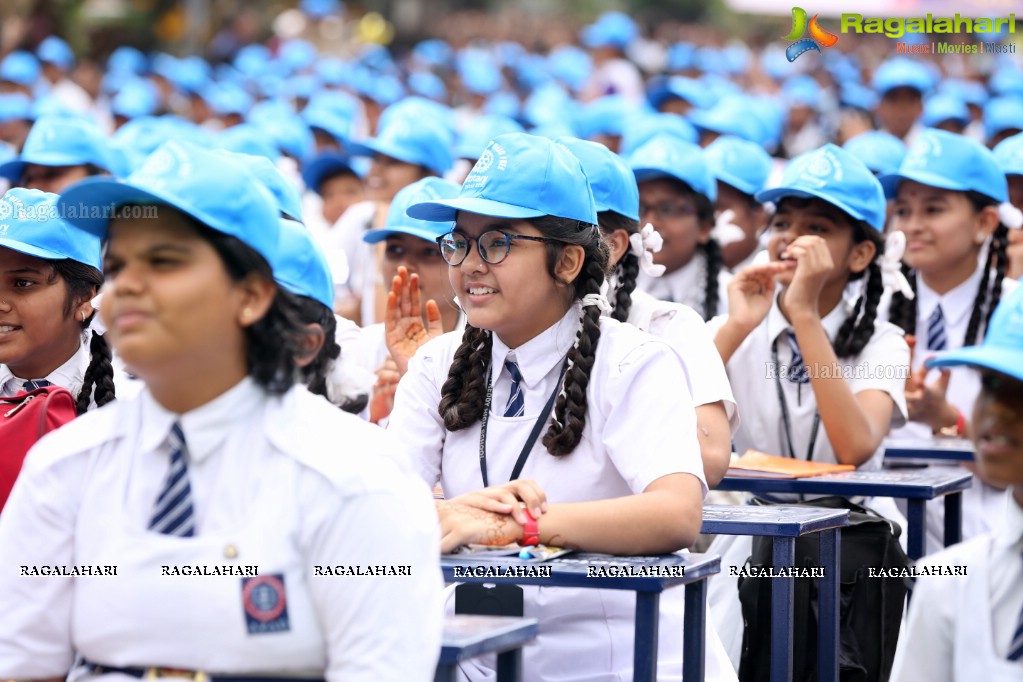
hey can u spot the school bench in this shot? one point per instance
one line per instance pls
(928, 451)
(467, 637)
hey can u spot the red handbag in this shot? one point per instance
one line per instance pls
(24, 419)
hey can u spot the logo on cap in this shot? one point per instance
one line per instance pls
(818, 36)
(169, 161)
(11, 206)
(493, 157)
(922, 152)
(819, 170)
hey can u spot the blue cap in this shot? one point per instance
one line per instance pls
(137, 97)
(1009, 154)
(288, 132)
(611, 180)
(503, 103)
(1002, 347)
(570, 65)
(479, 74)
(319, 9)
(740, 163)
(690, 90)
(399, 222)
(126, 60)
(640, 128)
(139, 137)
(297, 54)
(833, 175)
(730, 116)
(803, 91)
(479, 132)
(20, 67)
(666, 156)
(519, 176)
(611, 29)
(191, 179)
(970, 92)
(945, 107)
(285, 194)
(325, 165)
(190, 74)
(553, 130)
(226, 98)
(332, 112)
(681, 57)
(30, 223)
(549, 104)
(901, 73)
(15, 106)
(881, 151)
(949, 161)
(1007, 80)
(53, 50)
(1003, 113)
(423, 142)
(433, 52)
(428, 84)
(859, 96)
(246, 138)
(604, 116)
(300, 265)
(252, 60)
(58, 141)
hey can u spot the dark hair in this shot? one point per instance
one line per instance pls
(903, 311)
(83, 281)
(314, 375)
(627, 268)
(463, 393)
(710, 249)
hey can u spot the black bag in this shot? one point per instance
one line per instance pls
(870, 610)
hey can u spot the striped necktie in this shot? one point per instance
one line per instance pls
(936, 339)
(173, 513)
(516, 406)
(1016, 648)
(33, 384)
(798, 374)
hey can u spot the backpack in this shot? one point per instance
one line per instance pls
(24, 419)
(870, 608)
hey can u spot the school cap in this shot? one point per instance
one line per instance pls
(519, 176)
(570, 65)
(643, 126)
(948, 161)
(740, 163)
(300, 265)
(945, 107)
(428, 84)
(803, 91)
(205, 184)
(20, 67)
(1007, 80)
(611, 180)
(422, 142)
(126, 60)
(480, 131)
(60, 141)
(1009, 154)
(730, 116)
(325, 165)
(246, 138)
(611, 29)
(286, 196)
(666, 156)
(15, 106)
(833, 175)
(136, 97)
(689, 90)
(332, 113)
(901, 73)
(53, 50)
(1003, 113)
(478, 72)
(604, 116)
(398, 221)
(1002, 347)
(30, 223)
(319, 9)
(881, 151)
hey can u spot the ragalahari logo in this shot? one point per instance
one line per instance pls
(818, 36)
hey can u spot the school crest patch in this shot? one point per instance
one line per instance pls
(266, 605)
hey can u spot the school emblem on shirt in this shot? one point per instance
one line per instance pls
(266, 605)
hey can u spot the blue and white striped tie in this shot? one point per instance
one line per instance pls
(1016, 648)
(798, 373)
(936, 339)
(516, 406)
(33, 384)
(173, 513)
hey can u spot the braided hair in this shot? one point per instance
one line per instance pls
(83, 281)
(854, 334)
(464, 391)
(627, 268)
(710, 249)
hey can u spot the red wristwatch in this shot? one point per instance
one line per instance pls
(530, 531)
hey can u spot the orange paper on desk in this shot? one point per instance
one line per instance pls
(756, 464)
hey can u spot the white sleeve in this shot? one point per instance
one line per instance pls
(926, 644)
(380, 628)
(415, 419)
(883, 365)
(37, 528)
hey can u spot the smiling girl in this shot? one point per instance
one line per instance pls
(529, 406)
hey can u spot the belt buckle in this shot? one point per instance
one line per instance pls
(154, 673)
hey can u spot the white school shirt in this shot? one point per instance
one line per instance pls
(879, 366)
(683, 328)
(687, 285)
(632, 437)
(290, 482)
(960, 627)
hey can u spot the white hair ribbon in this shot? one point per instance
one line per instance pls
(725, 231)
(890, 263)
(643, 245)
(599, 300)
(1010, 216)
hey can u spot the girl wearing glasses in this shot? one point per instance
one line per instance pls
(524, 418)
(677, 194)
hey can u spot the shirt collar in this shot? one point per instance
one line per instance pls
(956, 304)
(1012, 532)
(832, 322)
(69, 375)
(205, 427)
(538, 356)
(678, 285)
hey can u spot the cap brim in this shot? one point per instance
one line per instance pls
(375, 146)
(776, 194)
(374, 236)
(890, 182)
(1004, 360)
(314, 172)
(736, 182)
(12, 170)
(30, 250)
(651, 173)
(447, 210)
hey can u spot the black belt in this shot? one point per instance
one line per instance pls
(155, 672)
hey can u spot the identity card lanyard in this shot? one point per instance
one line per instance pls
(785, 412)
(540, 422)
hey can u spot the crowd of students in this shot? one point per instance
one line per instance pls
(560, 295)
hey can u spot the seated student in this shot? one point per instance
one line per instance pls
(527, 261)
(800, 310)
(969, 625)
(676, 195)
(58, 152)
(948, 195)
(220, 462)
(1009, 155)
(741, 169)
(901, 84)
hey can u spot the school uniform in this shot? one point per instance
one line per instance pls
(627, 444)
(960, 626)
(687, 285)
(268, 491)
(982, 504)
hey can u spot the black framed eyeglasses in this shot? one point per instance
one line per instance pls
(493, 245)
